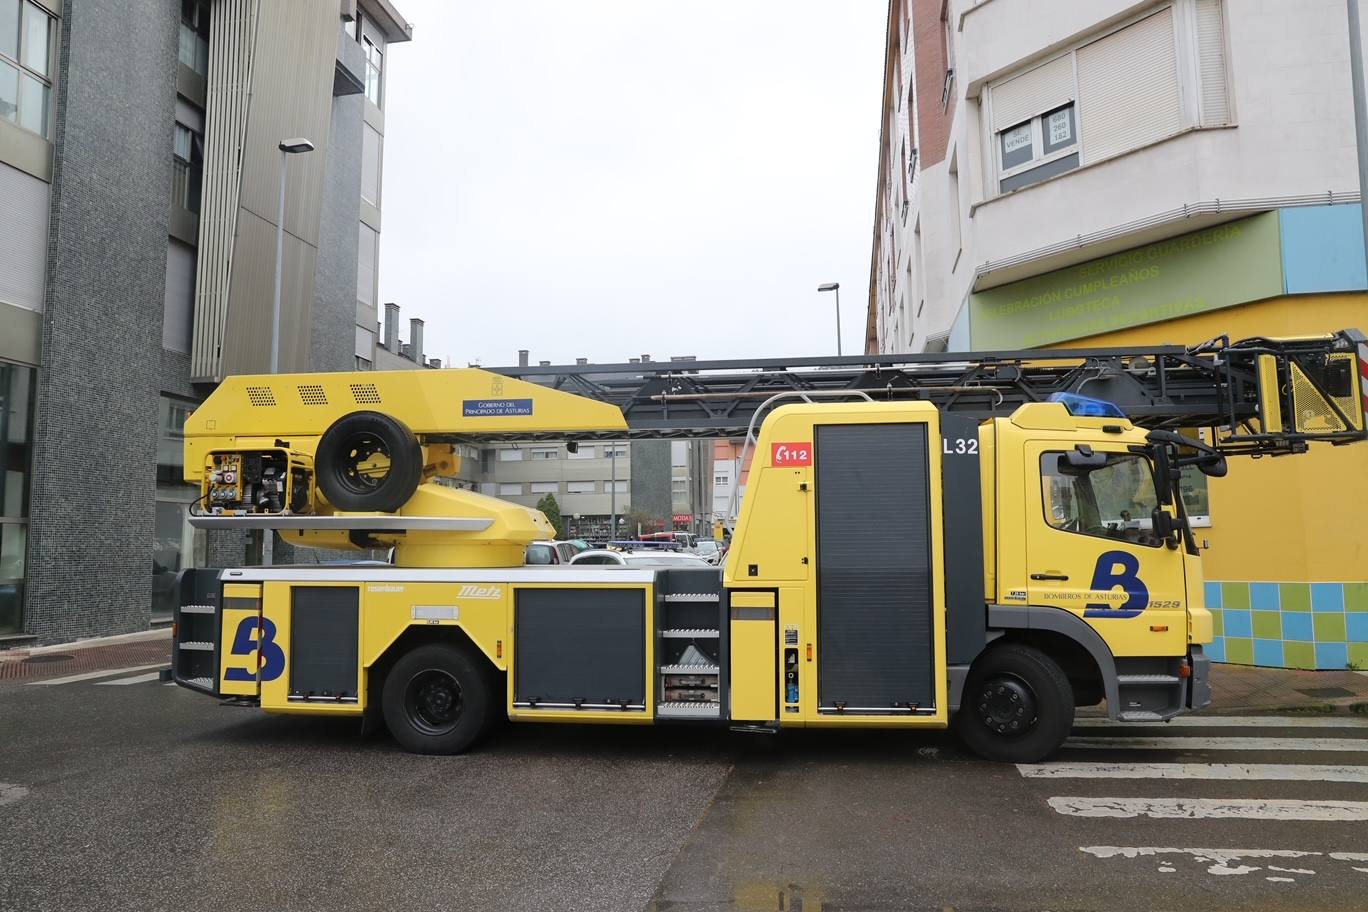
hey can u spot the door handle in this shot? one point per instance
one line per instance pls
(1049, 576)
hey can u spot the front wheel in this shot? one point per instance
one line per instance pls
(1017, 707)
(436, 700)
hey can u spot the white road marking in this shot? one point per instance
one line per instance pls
(1287, 772)
(136, 679)
(1221, 862)
(1349, 856)
(1213, 808)
(10, 793)
(89, 675)
(1283, 879)
(1355, 745)
(1233, 722)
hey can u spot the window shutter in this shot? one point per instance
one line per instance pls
(179, 308)
(1036, 91)
(1128, 88)
(23, 238)
(1211, 63)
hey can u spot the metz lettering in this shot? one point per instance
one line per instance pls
(1118, 568)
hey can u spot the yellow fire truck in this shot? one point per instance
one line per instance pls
(986, 540)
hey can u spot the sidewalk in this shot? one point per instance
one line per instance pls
(33, 664)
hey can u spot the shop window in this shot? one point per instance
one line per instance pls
(16, 410)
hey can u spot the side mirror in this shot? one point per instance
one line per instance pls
(1213, 468)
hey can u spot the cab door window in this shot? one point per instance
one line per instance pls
(1114, 500)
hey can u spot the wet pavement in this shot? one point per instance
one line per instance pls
(118, 792)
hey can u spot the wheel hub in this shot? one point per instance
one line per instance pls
(433, 701)
(1006, 705)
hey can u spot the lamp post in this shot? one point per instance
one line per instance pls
(287, 148)
(1360, 113)
(836, 287)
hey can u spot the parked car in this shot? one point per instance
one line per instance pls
(642, 558)
(542, 553)
(710, 550)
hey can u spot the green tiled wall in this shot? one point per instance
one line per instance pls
(1289, 625)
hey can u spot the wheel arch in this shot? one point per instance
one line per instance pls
(415, 636)
(1064, 637)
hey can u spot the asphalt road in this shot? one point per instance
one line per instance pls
(145, 796)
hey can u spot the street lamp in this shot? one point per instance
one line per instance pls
(287, 147)
(836, 287)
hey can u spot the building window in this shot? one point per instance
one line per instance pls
(615, 487)
(720, 480)
(580, 487)
(544, 453)
(488, 487)
(585, 451)
(545, 487)
(188, 167)
(615, 449)
(374, 46)
(510, 489)
(510, 455)
(176, 544)
(367, 260)
(194, 35)
(16, 423)
(680, 485)
(26, 65)
(370, 165)
(1110, 94)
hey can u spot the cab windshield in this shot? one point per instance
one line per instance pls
(1112, 500)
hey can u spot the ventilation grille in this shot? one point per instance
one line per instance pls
(260, 395)
(365, 393)
(312, 394)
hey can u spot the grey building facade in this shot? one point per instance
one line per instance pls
(139, 163)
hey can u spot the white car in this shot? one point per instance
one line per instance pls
(638, 559)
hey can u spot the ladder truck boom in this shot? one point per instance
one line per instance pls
(979, 539)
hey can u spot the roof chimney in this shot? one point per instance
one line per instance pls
(633, 360)
(416, 339)
(581, 360)
(543, 363)
(392, 326)
(434, 362)
(522, 357)
(645, 359)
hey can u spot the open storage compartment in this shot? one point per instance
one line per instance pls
(690, 644)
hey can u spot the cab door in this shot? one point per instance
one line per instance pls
(1091, 549)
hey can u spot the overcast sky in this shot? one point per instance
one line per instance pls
(606, 179)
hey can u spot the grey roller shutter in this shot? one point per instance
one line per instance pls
(179, 309)
(1211, 64)
(23, 238)
(1048, 86)
(1128, 92)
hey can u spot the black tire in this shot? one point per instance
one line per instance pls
(349, 443)
(1017, 707)
(437, 700)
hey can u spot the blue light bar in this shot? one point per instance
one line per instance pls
(1087, 407)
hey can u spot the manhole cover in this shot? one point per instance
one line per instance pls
(1325, 693)
(45, 659)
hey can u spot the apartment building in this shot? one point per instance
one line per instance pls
(1118, 173)
(137, 256)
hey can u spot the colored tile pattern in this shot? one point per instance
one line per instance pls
(1289, 625)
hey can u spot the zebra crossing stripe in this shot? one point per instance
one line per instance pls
(1232, 722)
(1353, 745)
(1284, 772)
(89, 675)
(1212, 808)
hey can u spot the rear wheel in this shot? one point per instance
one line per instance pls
(437, 700)
(1017, 706)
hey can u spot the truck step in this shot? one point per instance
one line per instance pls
(197, 609)
(706, 598)
(690, 633)
(1148, 679)
(689, 669)
(1140, 715)
(688, 710)
(193, 647)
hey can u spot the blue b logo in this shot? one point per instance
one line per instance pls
(1118, 568)
(272, 656)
